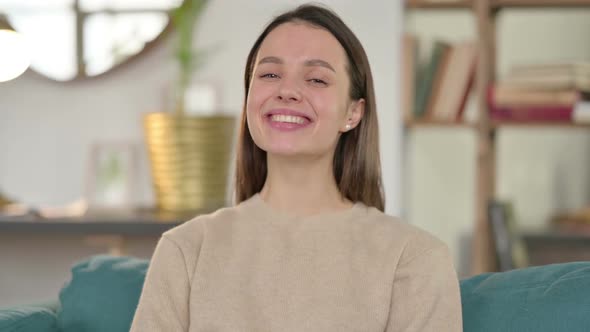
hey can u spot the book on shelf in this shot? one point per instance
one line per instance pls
(550, 92)
(456, 78)
(409, 68)
(509, 96)
(533, 107)
(550, 76)
(576, 68)
(573, 221)
(426, 77)
(558, 114)
(444, 82)
(437, 81)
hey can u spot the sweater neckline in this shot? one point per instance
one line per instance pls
(258, 203)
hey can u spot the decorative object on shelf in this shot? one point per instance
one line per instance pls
(12, 210)
(111, 180)
(4, 201)
(510, 249)
(189, 145)
(581, 112)
(190, 158)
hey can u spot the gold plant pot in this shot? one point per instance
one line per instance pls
(189, 157)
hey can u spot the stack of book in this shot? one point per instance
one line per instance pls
(577, 220)
(438, 89)
(557, 92)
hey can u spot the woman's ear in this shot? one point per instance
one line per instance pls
(354, 114)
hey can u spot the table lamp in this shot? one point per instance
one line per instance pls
(15, 57)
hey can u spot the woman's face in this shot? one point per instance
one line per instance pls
(298, 102)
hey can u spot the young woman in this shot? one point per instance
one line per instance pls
(307, 247)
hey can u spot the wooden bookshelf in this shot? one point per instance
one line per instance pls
(495, 124)
(430, 123)
(440, 4)
(484, 13)
(558, 125)
(498, 4)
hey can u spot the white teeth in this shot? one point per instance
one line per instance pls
(287, 118)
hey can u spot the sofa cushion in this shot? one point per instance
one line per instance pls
(28, 319)
(102, 294)
(546, 298)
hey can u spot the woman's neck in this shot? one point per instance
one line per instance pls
(302, 188)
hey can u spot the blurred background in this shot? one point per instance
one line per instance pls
(121, 125)
(73, 128)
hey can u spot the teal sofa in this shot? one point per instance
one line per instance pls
(103, 293)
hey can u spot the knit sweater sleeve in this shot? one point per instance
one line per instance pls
(164, 301)
(426, 294)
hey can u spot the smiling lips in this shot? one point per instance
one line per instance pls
(287, 120)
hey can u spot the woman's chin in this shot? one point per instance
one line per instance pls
(284, 152)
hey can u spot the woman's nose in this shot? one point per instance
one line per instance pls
(288, 91)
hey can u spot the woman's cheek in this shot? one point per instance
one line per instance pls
(255, 98)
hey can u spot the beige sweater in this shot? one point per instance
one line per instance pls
(252, 268)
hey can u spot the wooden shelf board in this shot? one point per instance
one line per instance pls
(497, 4)
(496, 124)
(539, 3)
(560, 125)
(429, 123)
(440, 4)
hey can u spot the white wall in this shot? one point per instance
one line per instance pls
(52, 124)
(541, 170)
(46, 127)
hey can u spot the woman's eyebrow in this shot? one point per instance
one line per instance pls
(309, 63)
(319, 62)
(270, 59)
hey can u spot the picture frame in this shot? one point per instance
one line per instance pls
(111, 180)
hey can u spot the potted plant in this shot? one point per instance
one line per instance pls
(189, 153)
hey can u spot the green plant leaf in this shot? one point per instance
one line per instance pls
(184, 19)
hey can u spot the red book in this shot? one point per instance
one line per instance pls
(532, 114)
(541, 113)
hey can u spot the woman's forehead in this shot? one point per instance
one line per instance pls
(301, 42)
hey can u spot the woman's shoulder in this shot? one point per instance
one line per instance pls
(192, 231)
(408, 239)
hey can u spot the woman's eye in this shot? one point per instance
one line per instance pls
(318, 81)
(269, 75)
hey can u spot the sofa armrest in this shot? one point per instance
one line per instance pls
(102, 294)
(542, 299)
(29, 318)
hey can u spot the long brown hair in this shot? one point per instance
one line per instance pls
(356, 164)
